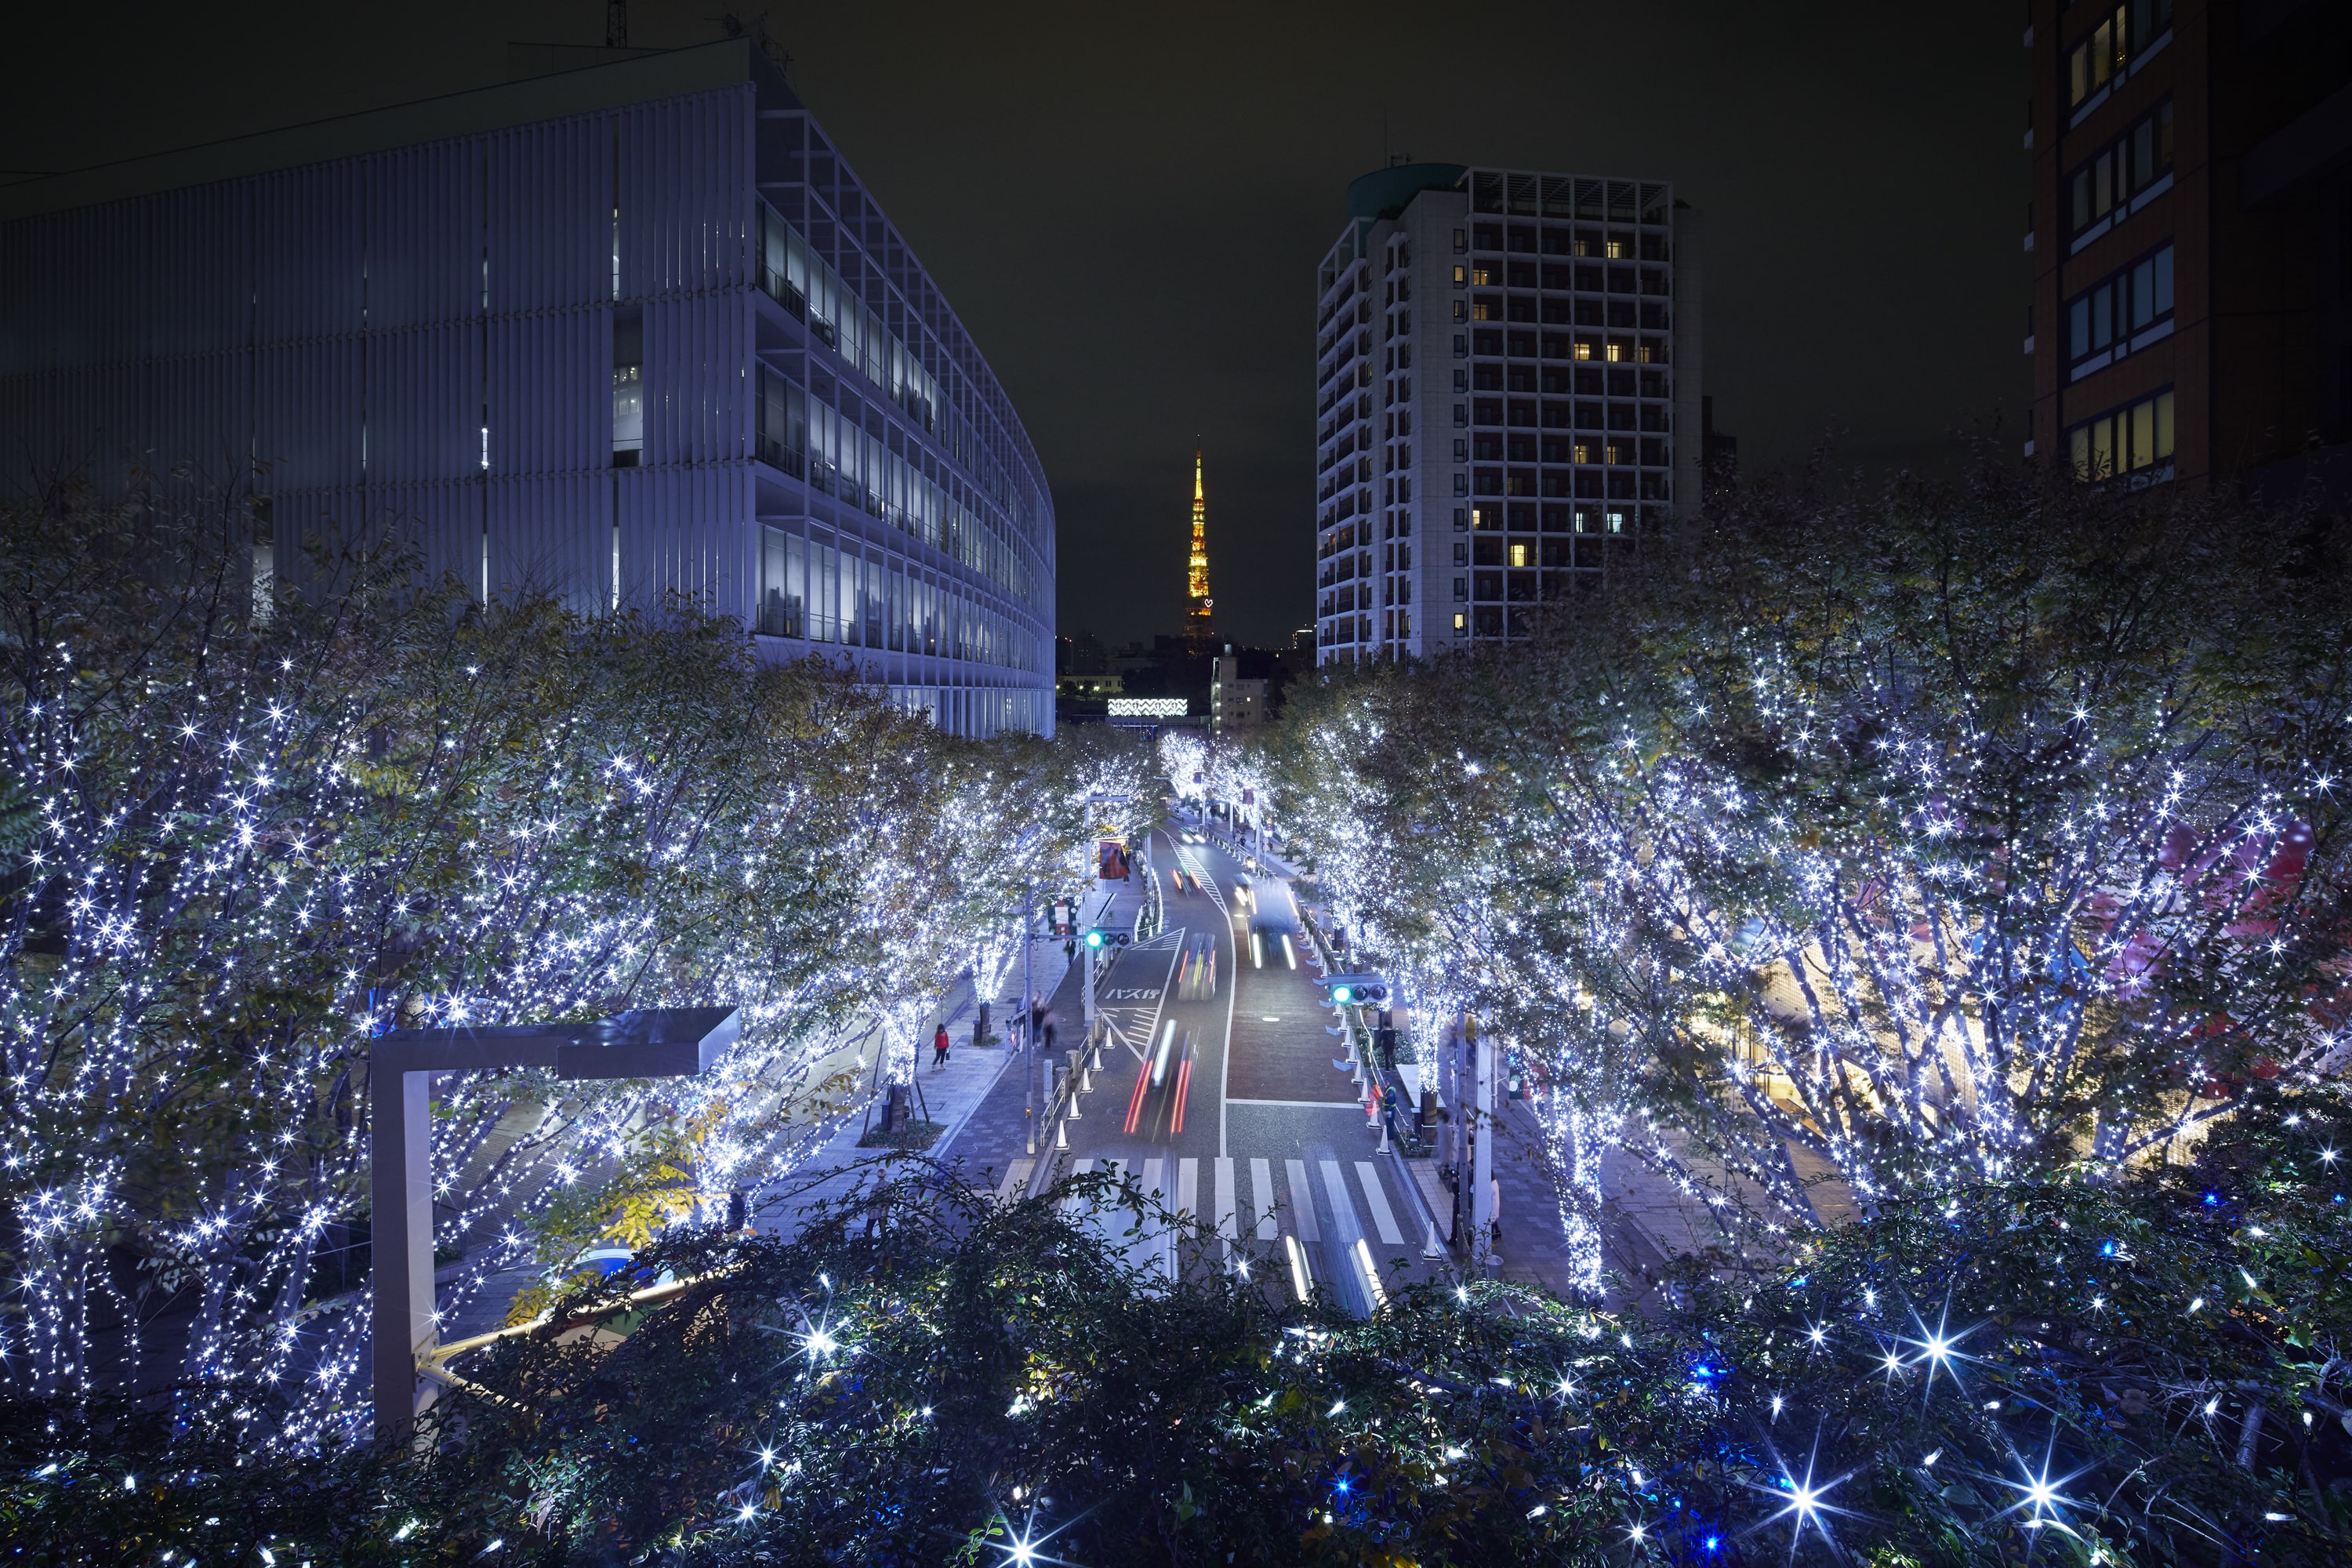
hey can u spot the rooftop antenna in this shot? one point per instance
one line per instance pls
(616, 24)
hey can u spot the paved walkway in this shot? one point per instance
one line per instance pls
(977, 1096)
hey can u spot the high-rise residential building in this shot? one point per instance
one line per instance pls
(617, 332)
(2190, 237)
(1506, 399)
(1198, 604)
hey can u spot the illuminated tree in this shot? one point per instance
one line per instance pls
(1915, 837)
(265, 830)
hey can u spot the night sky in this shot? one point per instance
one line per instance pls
(1126, 203)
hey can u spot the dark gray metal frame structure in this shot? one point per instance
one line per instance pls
(661, 1043)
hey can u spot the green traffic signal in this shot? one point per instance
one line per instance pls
(1342, 994)
(1094, 939)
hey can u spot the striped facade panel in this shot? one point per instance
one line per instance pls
(28, 269)
(310, 263)
(424, 229)
(443, 519)
(697, 397)
(425, 403)
(686, 192)
(315, 530)
(307, 413)
(548, 212)
(688, 531)
(199, 269)
(552, 533)
(550, 386)
(204, 414)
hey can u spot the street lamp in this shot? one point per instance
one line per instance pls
(663, 1042)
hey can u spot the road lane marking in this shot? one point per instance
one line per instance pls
(1343, 1213)
(1262, 1190)
(1188, 1187)
(1383, 1216)
(1016, 1179)
(1356, 1106)
(1227, 1218)
(1157, 1242)
(1302, 1202)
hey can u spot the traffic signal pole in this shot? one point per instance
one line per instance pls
(1482, 1192)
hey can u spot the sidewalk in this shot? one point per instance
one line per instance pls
(977, 1096)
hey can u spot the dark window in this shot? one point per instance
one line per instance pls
(2103, 318)
(2109, 179)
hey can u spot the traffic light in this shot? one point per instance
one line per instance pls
(1358, 990)
(1099, 937)
(1095, 937)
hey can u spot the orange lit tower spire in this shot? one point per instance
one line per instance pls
(1196, 615)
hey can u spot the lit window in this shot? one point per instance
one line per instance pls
(2134, 442)
(1584, 348)
(1461, 624)
(1461, 277)
(1583, 450)
(1617, 251)
(1518, 556)
(1616, 351)
(1616, 522)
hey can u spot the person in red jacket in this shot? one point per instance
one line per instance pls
(939, 1049)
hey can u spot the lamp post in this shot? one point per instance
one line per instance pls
(667, 1042)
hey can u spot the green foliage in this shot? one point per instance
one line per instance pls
(924, 1375)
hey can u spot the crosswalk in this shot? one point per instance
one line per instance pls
(1334, 1201)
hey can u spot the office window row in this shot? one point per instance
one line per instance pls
(826, 594)
(2120, 314)
(1484, 273)
(1489, 344)
(2133, 443)
(834, 454)
(807, 285)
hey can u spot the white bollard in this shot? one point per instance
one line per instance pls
(1430, 1247)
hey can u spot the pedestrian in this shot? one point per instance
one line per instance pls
(1495, 1207)
(1049, 1033)
(939, 1049)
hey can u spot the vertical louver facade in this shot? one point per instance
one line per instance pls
(625, 333)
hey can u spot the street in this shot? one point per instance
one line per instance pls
(1223, 1095)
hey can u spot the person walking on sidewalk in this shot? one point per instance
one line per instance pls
(939, 1049)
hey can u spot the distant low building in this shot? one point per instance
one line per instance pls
(1234, 703)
